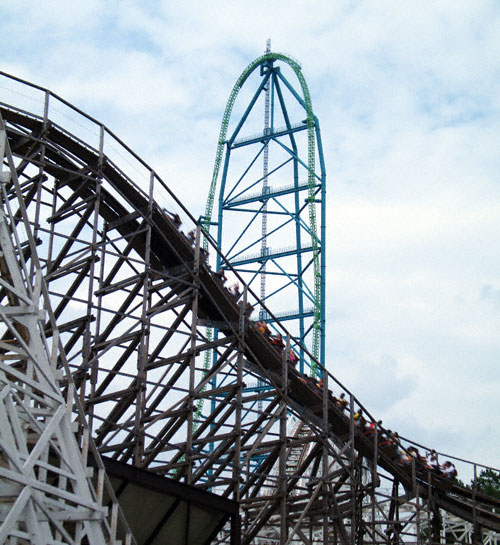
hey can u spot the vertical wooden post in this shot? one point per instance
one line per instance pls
(352, 463)
(283, 442)
(192, 362)
(239, 398)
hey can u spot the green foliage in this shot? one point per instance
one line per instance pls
(488, 482)
(461, 483)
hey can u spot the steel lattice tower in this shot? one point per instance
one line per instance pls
(270, 193)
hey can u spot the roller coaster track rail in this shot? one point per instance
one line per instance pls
(132, 297)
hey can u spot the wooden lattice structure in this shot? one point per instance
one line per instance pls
(131, 295)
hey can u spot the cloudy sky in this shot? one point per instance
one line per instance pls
(408, 97)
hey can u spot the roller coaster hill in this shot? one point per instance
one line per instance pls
(139, 401)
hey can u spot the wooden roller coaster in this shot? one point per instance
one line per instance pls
(131, 296)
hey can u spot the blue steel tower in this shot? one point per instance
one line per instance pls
(268, 191)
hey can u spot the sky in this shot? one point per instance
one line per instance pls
(408, 98)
